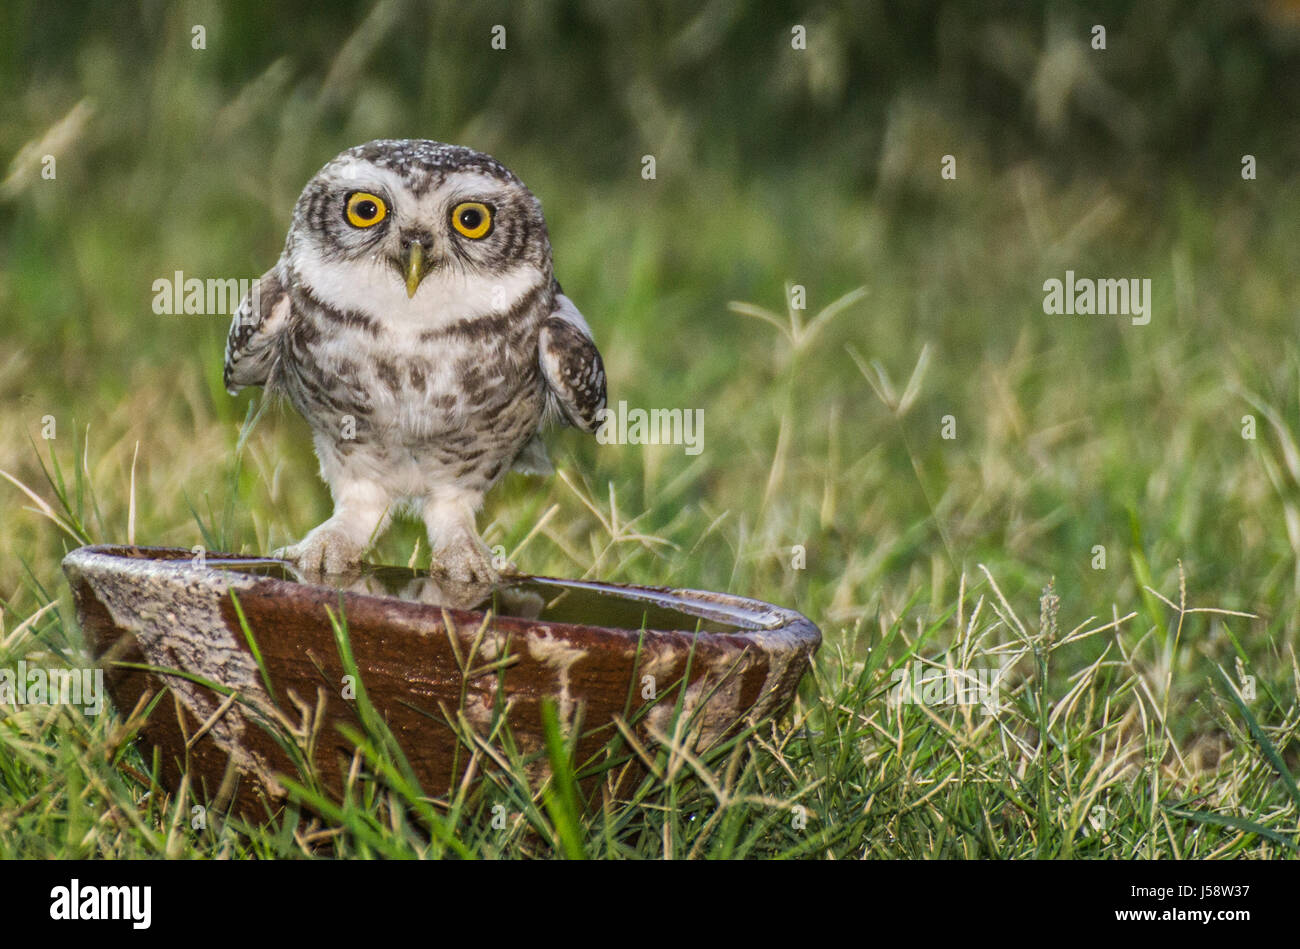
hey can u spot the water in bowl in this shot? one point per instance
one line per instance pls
(534, 598)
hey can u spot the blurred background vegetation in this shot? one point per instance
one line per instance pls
(775, 166)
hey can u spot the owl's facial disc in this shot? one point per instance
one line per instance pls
(381, 218)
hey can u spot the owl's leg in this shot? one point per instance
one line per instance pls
(361, 513)
(453, 536)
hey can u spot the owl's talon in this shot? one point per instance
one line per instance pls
(323, 551)
(467, 563)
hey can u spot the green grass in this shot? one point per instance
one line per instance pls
(1121, 731)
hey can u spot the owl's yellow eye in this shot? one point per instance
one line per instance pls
(365, 209)
(472, 218)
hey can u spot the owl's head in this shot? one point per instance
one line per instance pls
(380, 218)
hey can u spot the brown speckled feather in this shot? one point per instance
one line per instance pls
(574, 372)
(253, 341)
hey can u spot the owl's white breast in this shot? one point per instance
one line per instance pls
(447, 295)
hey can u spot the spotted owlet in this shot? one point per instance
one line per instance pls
(415, 321)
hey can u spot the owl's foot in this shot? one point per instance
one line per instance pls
(467, 563)
(325, 550)
(458, 551)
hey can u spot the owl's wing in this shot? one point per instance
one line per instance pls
(571, 365)
(254, 331)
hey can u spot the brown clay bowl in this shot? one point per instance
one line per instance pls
(432, 657)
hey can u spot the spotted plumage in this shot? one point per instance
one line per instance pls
(415, 321)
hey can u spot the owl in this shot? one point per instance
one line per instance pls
(415, 322)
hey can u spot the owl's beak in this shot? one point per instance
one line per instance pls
(414, 267)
